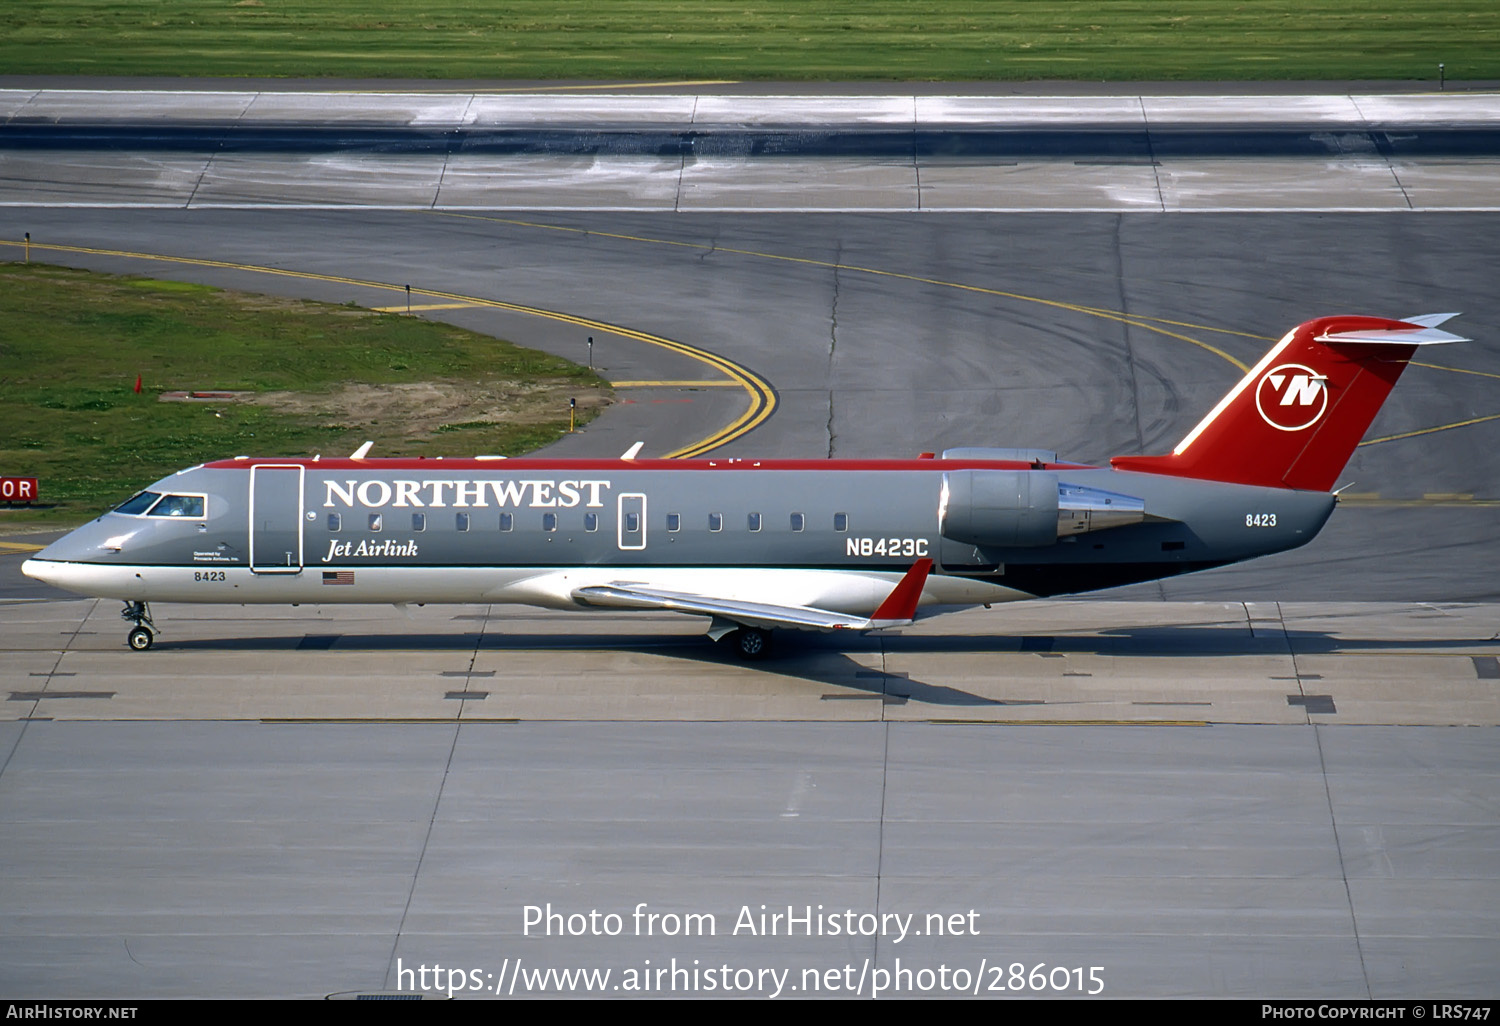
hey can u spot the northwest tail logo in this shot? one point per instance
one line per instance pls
(1291, 397)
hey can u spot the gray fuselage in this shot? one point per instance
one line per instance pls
(1023, 529)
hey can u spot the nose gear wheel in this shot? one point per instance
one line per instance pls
(143, 634)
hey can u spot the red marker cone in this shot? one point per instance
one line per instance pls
(137, 384)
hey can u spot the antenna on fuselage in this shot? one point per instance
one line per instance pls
(633, 451)
(362, 451)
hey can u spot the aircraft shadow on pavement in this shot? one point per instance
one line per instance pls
(850, 663)
(824, 661)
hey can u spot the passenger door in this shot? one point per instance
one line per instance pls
(275, 515)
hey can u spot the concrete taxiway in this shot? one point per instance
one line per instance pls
(1034, 662)
(1280, 789)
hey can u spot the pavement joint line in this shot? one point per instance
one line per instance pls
(763, 400)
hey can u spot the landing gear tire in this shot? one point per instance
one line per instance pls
(141, 635)
(751, 643)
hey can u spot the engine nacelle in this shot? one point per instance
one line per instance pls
(1027, 508)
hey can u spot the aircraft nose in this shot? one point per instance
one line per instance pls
(39, 570)
(88, 543)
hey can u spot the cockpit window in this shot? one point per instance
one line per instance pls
(138, 503)
(178, 506)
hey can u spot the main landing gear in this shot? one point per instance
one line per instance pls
(750, 643)
(143, 633)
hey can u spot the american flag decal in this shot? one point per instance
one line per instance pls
(338, 576)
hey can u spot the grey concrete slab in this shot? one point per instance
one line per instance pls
(544, 108)
(1434, 185)
(69, 177)
(149, 105)
(1273, 887)
(766, 183)
(383, 108)
(1249, 110)
(704, 825)
(1272, 185)
(1429, 107)
(321, 179)
(568, 182)
(803, 110)
(13, 100)
(975, 186)
(1398, 966)
(1035, 110)
(188, 856)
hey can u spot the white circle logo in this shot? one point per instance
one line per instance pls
(1291, 397)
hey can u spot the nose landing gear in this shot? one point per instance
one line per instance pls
(143, 633)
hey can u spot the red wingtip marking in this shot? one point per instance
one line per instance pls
(901, 603)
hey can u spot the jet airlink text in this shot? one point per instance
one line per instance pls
(368, 548)
(438, 494)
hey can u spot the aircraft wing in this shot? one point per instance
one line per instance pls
(898, 609)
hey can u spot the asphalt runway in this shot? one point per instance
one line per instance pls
(1262, 788)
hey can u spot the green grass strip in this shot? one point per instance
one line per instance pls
(936, 40)
(72, 344)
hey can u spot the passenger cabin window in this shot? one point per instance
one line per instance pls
(549, 521)
(139, 503)
(632, 523)
(752, 521)
(841, 521)
(591, 521)
(798, 522)
(419, 522)
(507, 521)
(461, 521)
(335, 523)
(179, 506)
(716, 521)
(674, 521)
(377, 521)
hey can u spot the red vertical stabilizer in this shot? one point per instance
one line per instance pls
(1294, 420)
